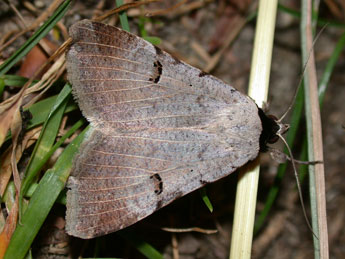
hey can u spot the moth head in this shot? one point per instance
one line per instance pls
(272, 128)
(278, 129)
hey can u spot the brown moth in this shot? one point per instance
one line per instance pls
(160, 129)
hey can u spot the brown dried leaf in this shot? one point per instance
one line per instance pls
(36, 58)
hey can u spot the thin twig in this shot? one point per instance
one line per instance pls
(194, 229)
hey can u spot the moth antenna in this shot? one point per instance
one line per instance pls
(302, 75)
(298, 185)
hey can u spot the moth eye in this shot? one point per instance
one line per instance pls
(273, 139)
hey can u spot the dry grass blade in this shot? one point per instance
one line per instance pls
(51, 9)
(5, 168)
(10, 226)
(195, 229)
(315, 145)
(241, 242)
(123, 8)
(167, 10)
(11, 221)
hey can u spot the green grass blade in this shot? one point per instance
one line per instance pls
(143, 32)
(153, 40)
(330, 67)
(69, 133)
(123, 17)
(49, 188)
(40, 111)
(11, 80)
(143, 247)
(34, 39)
(14, 80)
(46, 138)
(322, 89)
(2, 86)
(61, 199)
(320, 21)
(206, 200)
(314, 135)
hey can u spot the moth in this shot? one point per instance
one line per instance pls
(160, 129)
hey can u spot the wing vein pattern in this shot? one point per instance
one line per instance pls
(159, 129)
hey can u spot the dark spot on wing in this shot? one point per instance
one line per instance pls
(202, 73)
(158, 183)
(159, 69)
(158, 50)
(200, 101)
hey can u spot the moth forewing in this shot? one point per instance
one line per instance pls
(160, 129)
